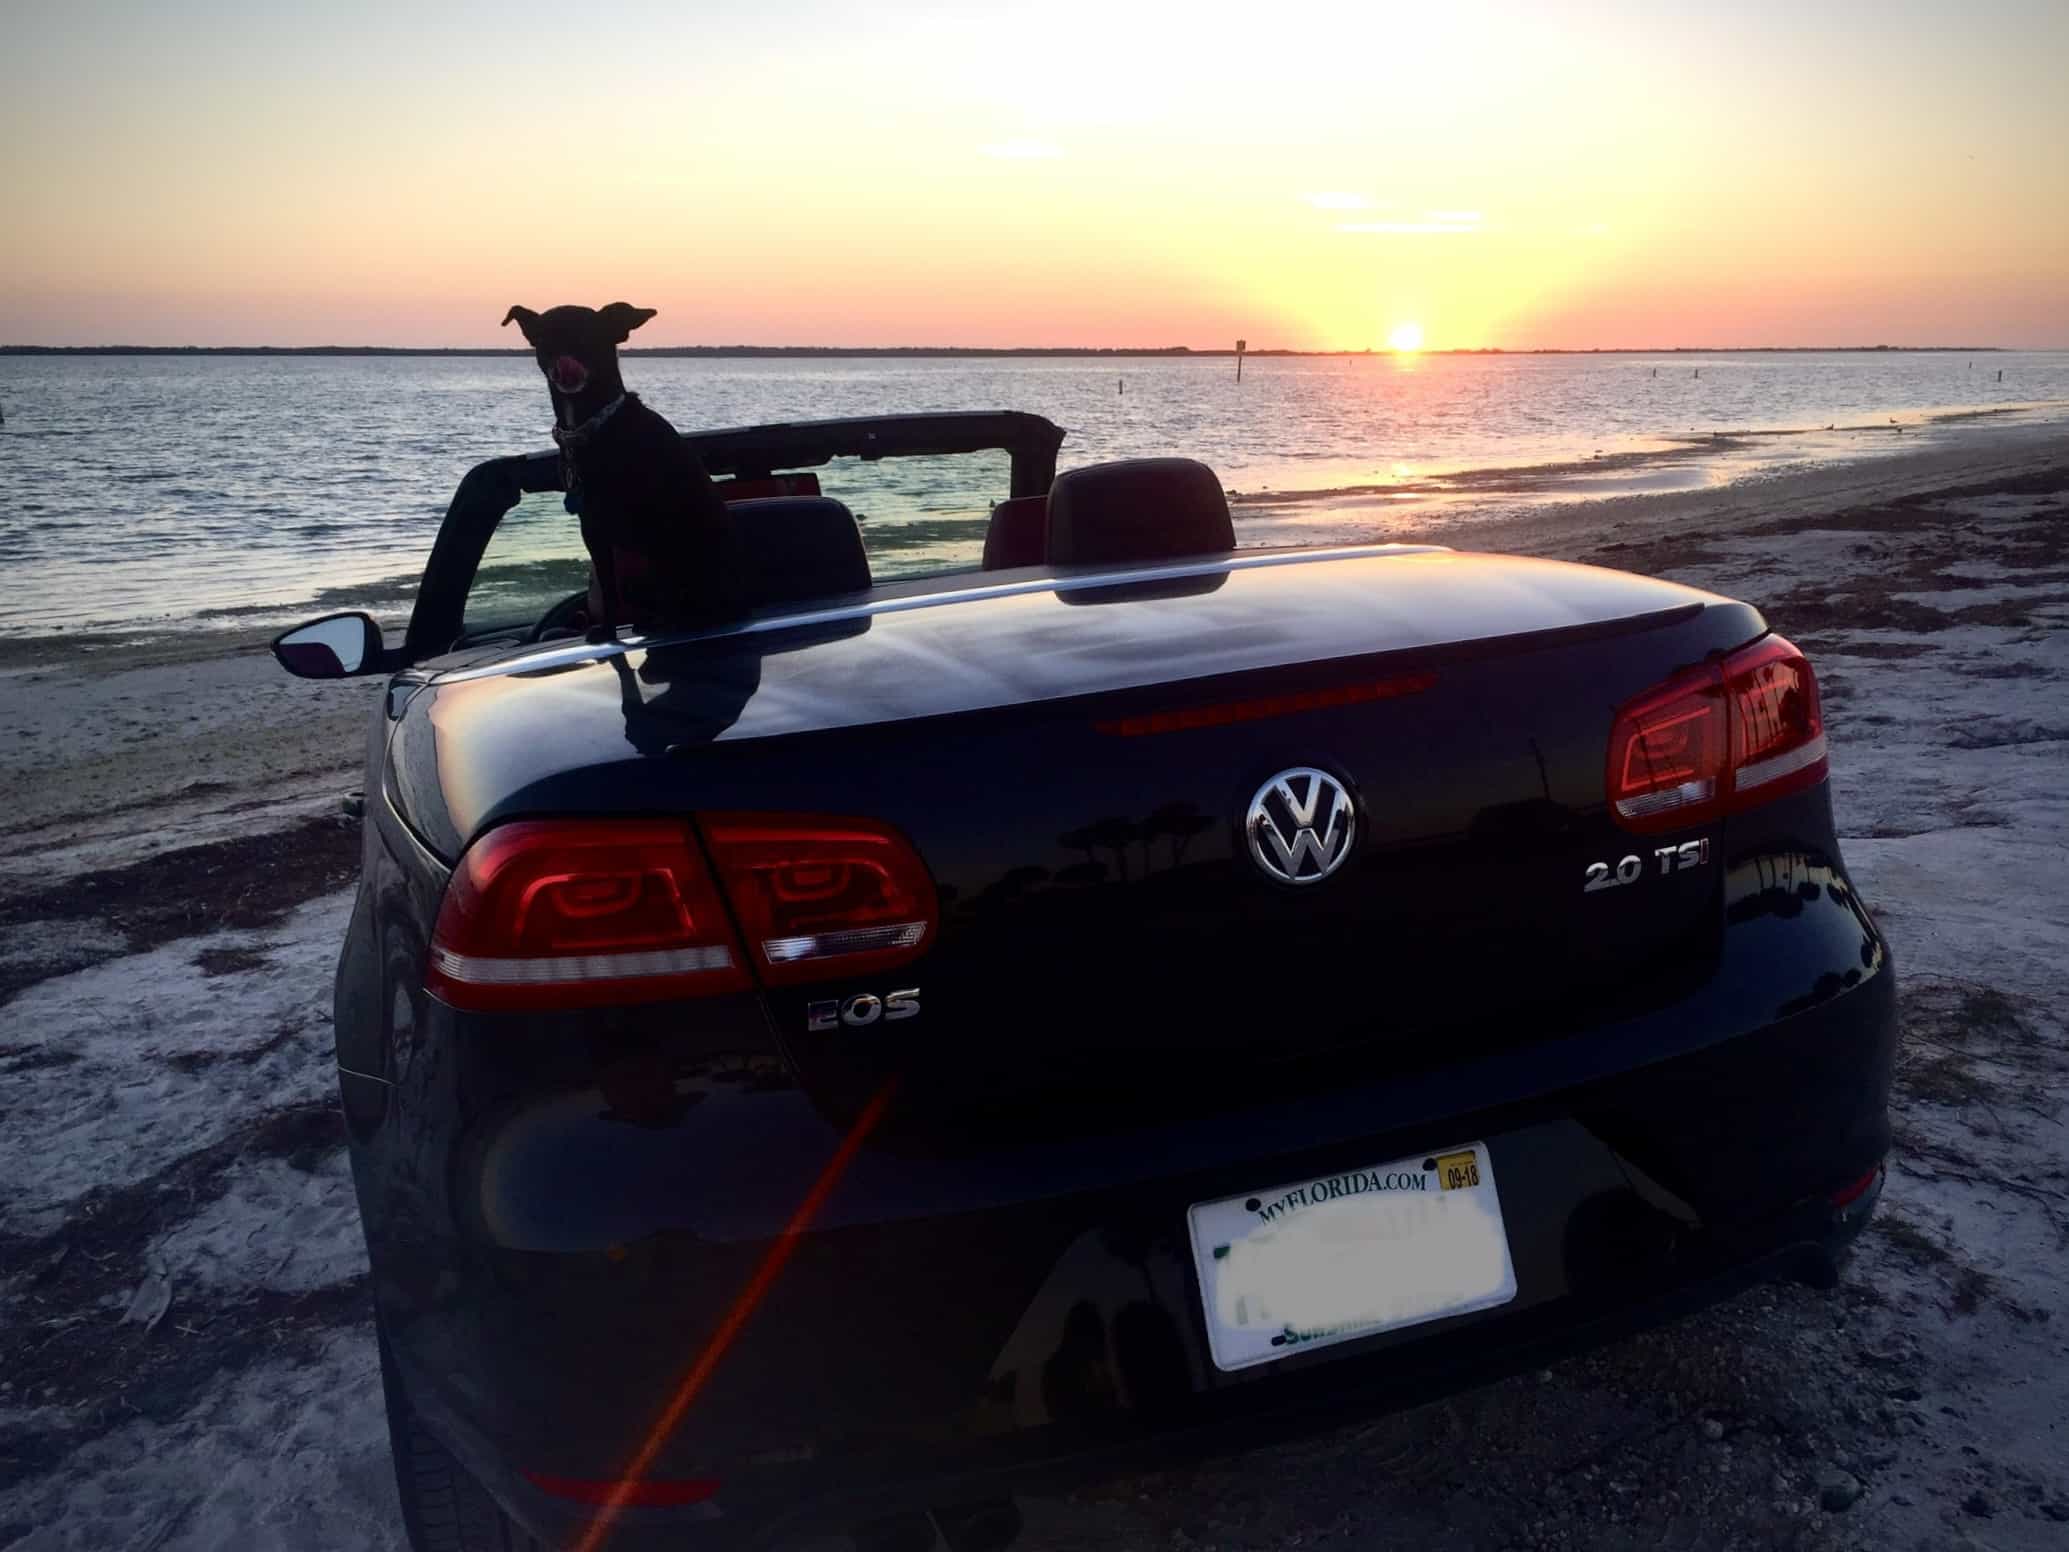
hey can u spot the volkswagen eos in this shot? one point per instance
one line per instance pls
(948, 1035)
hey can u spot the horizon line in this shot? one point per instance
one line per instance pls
(825, 351)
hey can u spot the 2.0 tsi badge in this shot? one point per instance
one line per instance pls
(1301, 825)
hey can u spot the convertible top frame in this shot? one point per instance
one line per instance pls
(744, 452)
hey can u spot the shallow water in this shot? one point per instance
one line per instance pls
(139, 491)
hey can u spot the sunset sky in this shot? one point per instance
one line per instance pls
(1510, 175)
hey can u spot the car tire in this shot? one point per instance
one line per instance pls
(444, 1509)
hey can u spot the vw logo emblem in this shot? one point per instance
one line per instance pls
(1301, 825)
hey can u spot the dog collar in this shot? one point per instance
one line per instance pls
(569, 438)
(566, 437)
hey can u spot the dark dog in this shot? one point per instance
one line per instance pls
(660, 542)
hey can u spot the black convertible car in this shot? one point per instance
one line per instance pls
(952, 1034)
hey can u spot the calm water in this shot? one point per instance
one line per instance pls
(138, 491)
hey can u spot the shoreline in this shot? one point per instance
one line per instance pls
(1527, 522)
(1546, 479)
(1456, 506)
(143, 739)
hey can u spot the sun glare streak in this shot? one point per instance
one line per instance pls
(736, 1318)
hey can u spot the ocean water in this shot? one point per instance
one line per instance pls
(142, 493)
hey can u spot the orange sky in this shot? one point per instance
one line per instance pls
(1062, 174)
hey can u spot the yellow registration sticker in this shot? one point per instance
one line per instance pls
(1457, 1171)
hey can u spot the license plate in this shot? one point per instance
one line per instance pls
(1320, 1261)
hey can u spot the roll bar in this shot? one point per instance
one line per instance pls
(745, 452)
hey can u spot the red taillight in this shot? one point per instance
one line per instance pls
(1666, 754)
(547, 914)
(818, 895)
(1853, 1191)
(1717, 740)
(1777, 726)
(1226, 713)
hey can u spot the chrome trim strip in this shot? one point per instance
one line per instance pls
(597, 652)
(1662, 799)
(1759, 772)
(850, 940)
(480, 970)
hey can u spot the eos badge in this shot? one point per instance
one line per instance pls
(862, 1010)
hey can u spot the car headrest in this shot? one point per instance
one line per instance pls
(1138, 509)
(756, 487)
(799, 547)
(1019, 533)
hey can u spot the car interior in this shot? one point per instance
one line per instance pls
(803, 546)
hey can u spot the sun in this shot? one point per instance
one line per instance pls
(1406, 338)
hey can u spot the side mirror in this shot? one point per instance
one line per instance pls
(334, 647)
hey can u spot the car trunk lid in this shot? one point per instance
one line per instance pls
(1076, 762)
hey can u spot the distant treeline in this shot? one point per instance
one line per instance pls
(948, 350)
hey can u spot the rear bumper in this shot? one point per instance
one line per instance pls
(957, 1329)
(1430, 1363)
(772, 1505)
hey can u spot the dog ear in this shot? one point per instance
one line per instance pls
(525, 319)
(622, 318)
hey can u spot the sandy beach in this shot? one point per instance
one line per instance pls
(185, 1359)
